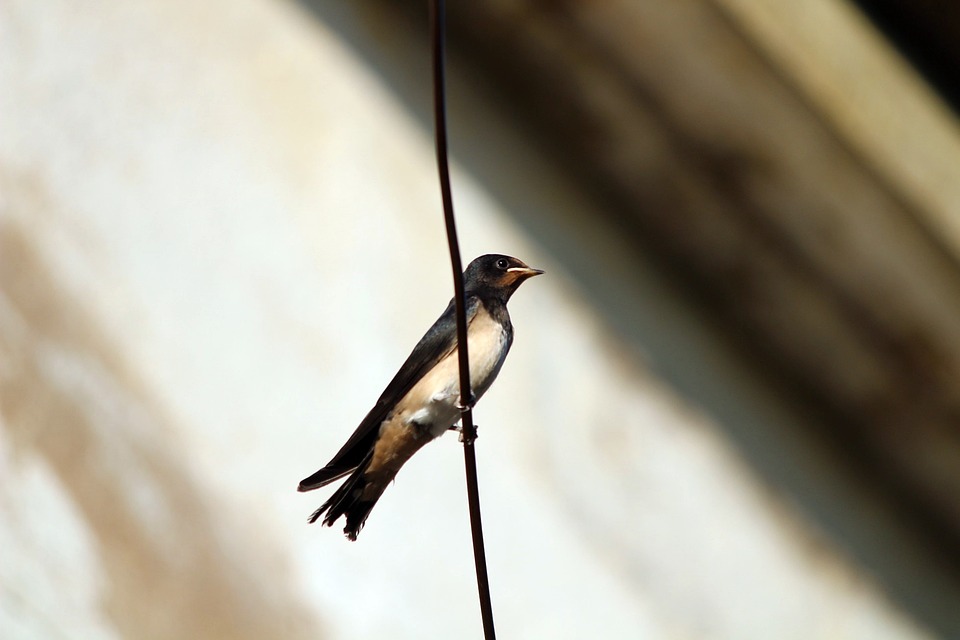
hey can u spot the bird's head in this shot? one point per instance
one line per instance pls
(496, 275)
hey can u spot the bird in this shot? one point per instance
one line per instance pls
(422, 401)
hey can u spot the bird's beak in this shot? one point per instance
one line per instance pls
(525, 272)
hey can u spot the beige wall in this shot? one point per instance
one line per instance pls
(219, 236)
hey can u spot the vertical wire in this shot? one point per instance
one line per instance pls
(469, 432)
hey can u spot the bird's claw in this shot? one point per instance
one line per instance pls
(463, 434)
(459, 429)
(463, 408)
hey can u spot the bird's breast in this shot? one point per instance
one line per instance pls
(433, 400)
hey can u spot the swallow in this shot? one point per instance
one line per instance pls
(422, 401)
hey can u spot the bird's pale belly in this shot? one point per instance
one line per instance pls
(433, 401)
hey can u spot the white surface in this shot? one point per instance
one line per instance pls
(254, 224)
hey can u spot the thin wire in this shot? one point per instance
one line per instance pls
(469, 431)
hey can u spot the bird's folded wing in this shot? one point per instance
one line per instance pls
(439, 341)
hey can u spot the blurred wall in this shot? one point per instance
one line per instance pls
(219, 237)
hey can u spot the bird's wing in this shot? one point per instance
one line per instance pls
(439, 341)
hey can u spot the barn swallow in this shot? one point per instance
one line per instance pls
(423, 400)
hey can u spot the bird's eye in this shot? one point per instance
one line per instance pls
(502, 264)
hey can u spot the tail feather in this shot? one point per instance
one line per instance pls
(323, 477)
(353, 499)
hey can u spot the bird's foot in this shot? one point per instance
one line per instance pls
(468, 438)
(469, 405)
(459, 429)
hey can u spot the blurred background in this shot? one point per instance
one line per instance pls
(732, 408)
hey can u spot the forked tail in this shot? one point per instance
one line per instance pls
(354, 499)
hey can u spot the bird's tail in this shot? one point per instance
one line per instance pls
(354, 499)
